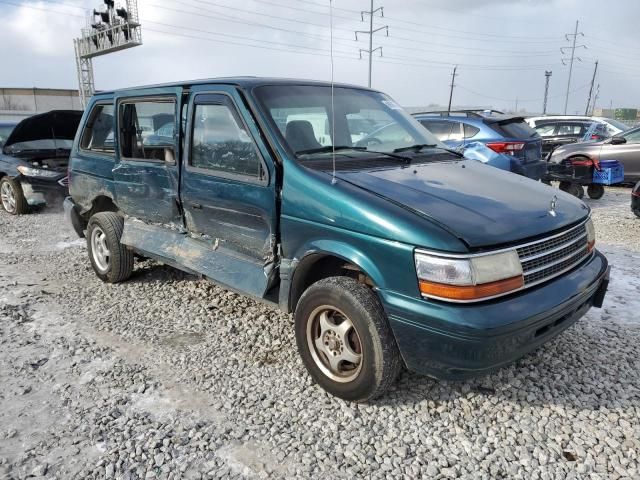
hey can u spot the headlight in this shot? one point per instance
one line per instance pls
(468, 278)
(591, 235)
(37, 172)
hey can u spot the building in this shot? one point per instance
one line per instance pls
(19, 103)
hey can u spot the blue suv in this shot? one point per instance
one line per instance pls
(503, 133)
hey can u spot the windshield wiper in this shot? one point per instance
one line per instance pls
(329, 149)
(415, 148)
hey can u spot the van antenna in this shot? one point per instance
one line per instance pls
(333, 116)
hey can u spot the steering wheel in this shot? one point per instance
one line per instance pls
(368, 142)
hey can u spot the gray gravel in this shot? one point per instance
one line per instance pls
(169, 376)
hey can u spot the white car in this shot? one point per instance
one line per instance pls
(613, 126)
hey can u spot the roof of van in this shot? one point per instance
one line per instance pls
(238, 81)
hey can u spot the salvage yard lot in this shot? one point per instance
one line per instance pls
(169, 376)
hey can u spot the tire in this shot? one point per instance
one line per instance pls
(12, 197)
(595, 191)
(112, 261)
(368, 335)
(636, 212)
(573, 188)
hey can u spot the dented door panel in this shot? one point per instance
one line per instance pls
(227, 209)
(148, 188)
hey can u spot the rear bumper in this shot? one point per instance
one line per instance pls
(535, 170)
(40, 191)
(73, 217)
(453, 341)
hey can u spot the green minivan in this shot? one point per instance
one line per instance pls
(391, 252)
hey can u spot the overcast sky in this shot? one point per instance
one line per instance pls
(502, 47)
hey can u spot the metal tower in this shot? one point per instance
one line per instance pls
(116, 29)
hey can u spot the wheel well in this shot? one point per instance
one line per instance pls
(315, 267)
(101, 204)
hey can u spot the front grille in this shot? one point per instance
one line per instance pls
(64, 181)
(550, 257)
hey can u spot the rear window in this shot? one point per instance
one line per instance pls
(515, 129)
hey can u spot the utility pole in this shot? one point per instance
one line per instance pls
(547, 75)
(595, 99)
(574, 36)
(516, 110)
(593, 80)
(453, 84)
(371, 32)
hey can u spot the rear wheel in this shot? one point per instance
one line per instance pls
(573, 188)
(344, 339)
(13, 199)
(112, 261)
(595, 191)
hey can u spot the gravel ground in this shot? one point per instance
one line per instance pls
(168, 376)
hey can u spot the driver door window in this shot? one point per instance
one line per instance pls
(221, 143)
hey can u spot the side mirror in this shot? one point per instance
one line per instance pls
(617, 140)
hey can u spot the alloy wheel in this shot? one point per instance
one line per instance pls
(8, 196)
(334, 344)
(99, 249)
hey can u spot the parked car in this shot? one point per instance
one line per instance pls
(623, 147)
(613, 126)
(503, 133)
(400, 254)
(635, 200)
(555, 133)
(5, 130)
(34, 160)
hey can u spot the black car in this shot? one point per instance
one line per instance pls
(556, 133)
(34, 160)
(635, 200)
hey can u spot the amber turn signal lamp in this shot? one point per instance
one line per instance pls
(470, 292)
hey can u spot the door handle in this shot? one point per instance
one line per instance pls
(196, 206)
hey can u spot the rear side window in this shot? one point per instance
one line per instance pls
(148, 129)
(470, 131)
(546, 130)
(97, 135)
(516, 129)
(221, 143)
(443, 129)
(570, 129)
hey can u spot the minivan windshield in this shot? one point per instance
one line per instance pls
(363, 121)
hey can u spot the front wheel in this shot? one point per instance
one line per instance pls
(112, 261)
(595, 191)
(13, 199)
(344, 339)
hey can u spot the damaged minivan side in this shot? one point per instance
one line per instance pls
(34, 160)
(389, 252)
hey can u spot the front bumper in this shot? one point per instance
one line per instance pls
(41, 190)
(456, 341)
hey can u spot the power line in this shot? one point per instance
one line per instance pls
(530, 100)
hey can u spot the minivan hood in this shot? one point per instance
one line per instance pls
(53, 125)
(481, 205)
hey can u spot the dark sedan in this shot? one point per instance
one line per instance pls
(624, 147)
(34, 160)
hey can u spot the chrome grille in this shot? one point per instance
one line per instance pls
(550, 257)
(64, 181)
